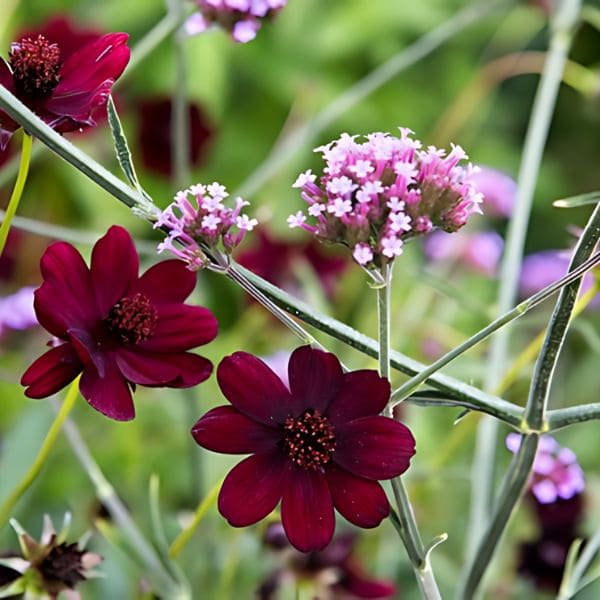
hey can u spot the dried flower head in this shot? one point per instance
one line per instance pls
(197, 221)
(372, 196)
(241, 18)
(50, 566)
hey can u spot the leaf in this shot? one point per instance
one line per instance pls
(576, 201)
(122, 149)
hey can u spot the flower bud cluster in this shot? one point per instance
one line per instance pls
(242, 18)
(372, 196)
(198, 220)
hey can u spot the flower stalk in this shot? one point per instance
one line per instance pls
(17, 192)
(406, 525)
(42, 456)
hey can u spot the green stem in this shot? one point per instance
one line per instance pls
(408, 529)
(180, 130)
(186, 535)
(563, 417)
(106, 494)
(17, 192)
(42, 456)
(412, 384)
(409, 56)
(575, 582)
(563, 24)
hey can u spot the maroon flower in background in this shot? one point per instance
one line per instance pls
(318, 445)
(155, 134)
(115, 327)
(275, 259)
(336, 570)
(66, 83)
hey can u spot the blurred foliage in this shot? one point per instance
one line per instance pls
(295, 67)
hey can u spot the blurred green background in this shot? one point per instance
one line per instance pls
(298, 64)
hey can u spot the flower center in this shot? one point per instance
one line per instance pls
(132, 320)
(63, 564)
(309, 440)
(35, 65)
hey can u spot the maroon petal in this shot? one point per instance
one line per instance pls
(180, 327)
(114, 267)
(109, 394)
(362, 394)
(87, 76)
(253, 388)
(307, 510)
(169, 281)
(374, 447)
(315, 377)
(51, 372)
(361, 501)
(153, 369)
(356, 585)
(224, 429)
(65, 299)
(6, 78)
(7, 125)
(252, 488)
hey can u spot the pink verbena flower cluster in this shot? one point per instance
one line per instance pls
(198, 220)
(555, 473)
(374, 195)
(242, 18)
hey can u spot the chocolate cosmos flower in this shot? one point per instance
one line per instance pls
(318, 445)
(63, 87)
(116, 328)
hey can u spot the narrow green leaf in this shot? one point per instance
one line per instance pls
(579, 200)
(567, 583)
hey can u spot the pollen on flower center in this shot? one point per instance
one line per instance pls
(309, 440)
(132, 319)
(35, 64)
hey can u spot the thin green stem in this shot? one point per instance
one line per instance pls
(563, 24)
(412, 384)
(408, 529)
(61, 146)
(409, 56)
(575, 582)
(106, 494)
(186, 534)
(563, 417)
(180, 130)
(17, 192)
(42, 456)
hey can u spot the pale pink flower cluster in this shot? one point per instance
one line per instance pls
(555, 474)
(242, 18)
(197, 220)
(372, 196)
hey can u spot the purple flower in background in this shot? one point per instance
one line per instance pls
(202, 221)
(555, 473)
(479, 250)
(543, 268)
(335, 572)
(241, 18)
(16, 310)
(499, 191)
(372, 196)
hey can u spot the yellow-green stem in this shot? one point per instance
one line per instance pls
(186, 535)
(42, 457)
(17, 192)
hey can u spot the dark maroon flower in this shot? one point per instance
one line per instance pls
(277, 261)
(155, 134)
(335, 570)
(116, 328)
(318, 445)
(66, 87)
